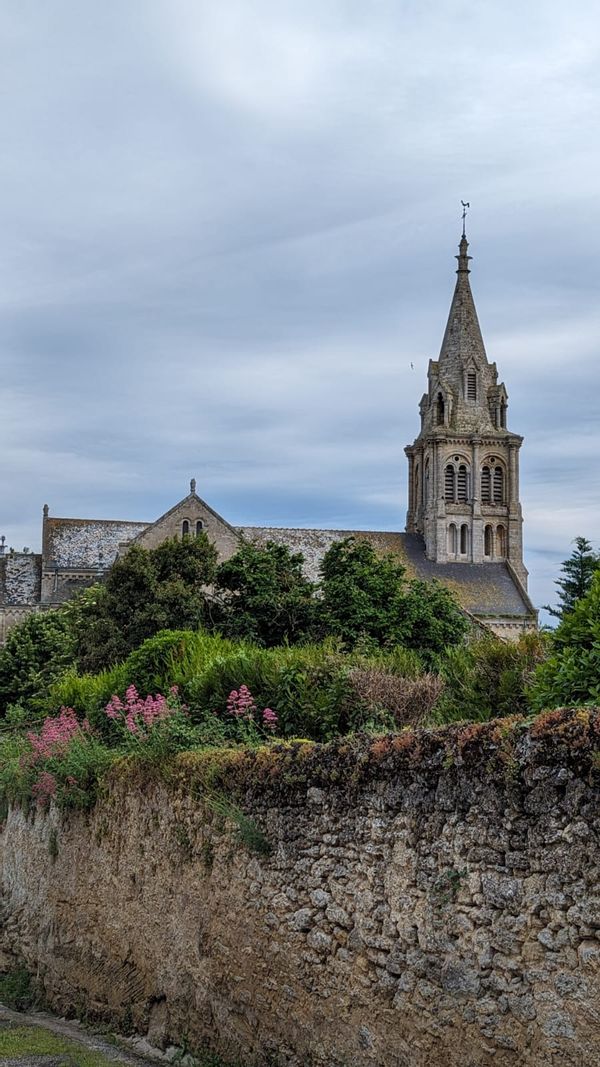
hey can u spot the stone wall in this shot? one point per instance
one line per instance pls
(430, 899)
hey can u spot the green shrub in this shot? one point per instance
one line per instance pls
(571, 674)
(487, 679)
(17, 990)
(36, 652)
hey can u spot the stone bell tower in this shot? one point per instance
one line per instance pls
(464, 465)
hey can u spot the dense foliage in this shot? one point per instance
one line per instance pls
(36, 652)
(366, 601)
(263, 595)
(571, 673)
(144, 592)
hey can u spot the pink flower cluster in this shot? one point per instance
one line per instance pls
(242, 705)
(56, 734)
(44, 789)
(139, 714)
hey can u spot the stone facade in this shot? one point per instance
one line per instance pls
(464, 510)
(429, 901)
(464, 465)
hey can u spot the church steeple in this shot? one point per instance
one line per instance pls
(463, 466)
(462, 338)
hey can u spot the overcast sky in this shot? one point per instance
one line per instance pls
(227, 229)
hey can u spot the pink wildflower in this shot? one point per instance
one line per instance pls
(241, 703)
(138, 714)
(55, 735)
(270, 718)
(44, 789)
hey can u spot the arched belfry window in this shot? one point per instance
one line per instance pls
(488, 541)
(500, 541)
(492, 482)
(503, 406)
(456, 481)
(462, 484)
(464, 539)
(199, 527)
(452, 539)
(185, 528)
(440, 410)
(471, 385)
(486, 485)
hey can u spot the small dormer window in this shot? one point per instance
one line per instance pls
(440, 410)
(471, 385)
(199, 527)
(185, 528)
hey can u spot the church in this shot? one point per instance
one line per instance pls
(464, 524)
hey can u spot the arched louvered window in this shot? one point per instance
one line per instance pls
(498, 485)
(199, 527)
(488, 541)
(464, 539)
(417, 485)
(440, 410)
(471, 386)
(486, 486)
(503, 415)
(500, 541)
(463, 484)
(452, 539)
(450, 484)
(426, 486)
(185, 528)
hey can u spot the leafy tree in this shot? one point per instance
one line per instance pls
(365, 600)
(578, 572)
(571, 674)
(36, 652)
(146, 591)
(264, 596)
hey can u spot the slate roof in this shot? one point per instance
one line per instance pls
(487, 590)
(86, 543)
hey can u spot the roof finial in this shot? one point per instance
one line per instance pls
(193, 485)
(465, 205)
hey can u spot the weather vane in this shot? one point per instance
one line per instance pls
(465, 205)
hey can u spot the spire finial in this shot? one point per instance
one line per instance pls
(193, 485)
(465, 205)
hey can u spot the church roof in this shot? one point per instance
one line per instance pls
(85, 543)
(462, 340)
(487, 590)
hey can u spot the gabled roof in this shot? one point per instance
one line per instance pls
(191, 498)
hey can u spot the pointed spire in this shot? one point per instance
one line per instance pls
(462, 338)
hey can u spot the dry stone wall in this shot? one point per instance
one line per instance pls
(428, 900)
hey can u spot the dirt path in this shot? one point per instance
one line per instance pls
(37, 1039)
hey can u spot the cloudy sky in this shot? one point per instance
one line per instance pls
(227, 229)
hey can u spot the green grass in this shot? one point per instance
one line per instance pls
(21, 1041)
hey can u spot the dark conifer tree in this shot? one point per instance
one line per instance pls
(578, 572)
